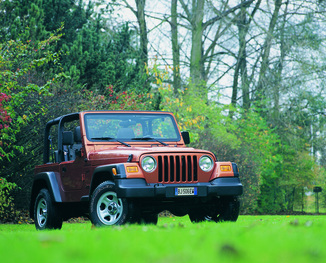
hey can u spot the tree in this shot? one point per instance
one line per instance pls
(23, 20)
(241, 71)
(199, 57)
(175, 47)
(266, 51)
(139, 13)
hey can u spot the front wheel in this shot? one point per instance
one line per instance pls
(106, 208)
(46, 212)
(149, 219)
(227, 210)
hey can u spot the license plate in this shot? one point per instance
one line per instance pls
(185, 191)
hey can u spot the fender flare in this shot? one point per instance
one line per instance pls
(45, 180)
(104, 173)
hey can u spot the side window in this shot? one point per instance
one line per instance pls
(71, 150)
(53, 144)
(68, 150)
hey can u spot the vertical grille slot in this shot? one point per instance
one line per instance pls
(176, 169)
(195, 169)
(166, 169)
(172, 168)
(184, 167)
(160, 167)
(189, 168)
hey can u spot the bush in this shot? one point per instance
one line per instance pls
(7, 211)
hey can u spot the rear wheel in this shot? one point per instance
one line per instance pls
(228, 210)
(106, 208)
(46, 212)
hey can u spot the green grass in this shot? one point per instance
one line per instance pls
(251, 239)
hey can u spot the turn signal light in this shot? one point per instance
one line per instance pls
(132, 169)
(225, 168)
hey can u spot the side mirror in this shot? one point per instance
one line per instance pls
(185, 137)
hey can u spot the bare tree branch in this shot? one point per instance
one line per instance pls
(225, 13)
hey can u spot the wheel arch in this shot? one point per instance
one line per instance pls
(105, 173)
(48, 181)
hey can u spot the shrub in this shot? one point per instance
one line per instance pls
(7, 211)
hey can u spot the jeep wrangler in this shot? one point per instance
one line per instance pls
(118, 167)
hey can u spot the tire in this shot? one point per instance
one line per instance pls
(149, 219)
(227, 211)
(106, 208)
(139, 217)
(46, 212)
(231, 210)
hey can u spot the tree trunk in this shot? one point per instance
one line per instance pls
(140, 13)
(196, 64)
(175, 47)
(266, 51)
(280, 65)
(243, 23)
(195, 16)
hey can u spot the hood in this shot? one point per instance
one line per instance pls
(121, 153)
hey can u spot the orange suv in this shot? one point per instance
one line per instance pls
(118, 167)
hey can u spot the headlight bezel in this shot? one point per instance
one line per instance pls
(145, 163)
(203, 162)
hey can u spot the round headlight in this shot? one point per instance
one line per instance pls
(206, 163)
(148, 164)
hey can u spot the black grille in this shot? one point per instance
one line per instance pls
(179, 168)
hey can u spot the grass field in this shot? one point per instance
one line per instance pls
(251, 239)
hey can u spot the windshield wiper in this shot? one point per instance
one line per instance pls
(148, 139)
(110, 139)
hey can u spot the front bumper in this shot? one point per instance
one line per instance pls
(136, 188)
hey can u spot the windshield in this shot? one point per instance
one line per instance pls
(131, 127)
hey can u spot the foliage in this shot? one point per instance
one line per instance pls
(91, 51)
(22, 20)
(124, 100)
(257, 153)
(5, 119)
(18, 62)
(98, 59)
(185, 109)
(193, 113)
(7, 211)
(73, 13)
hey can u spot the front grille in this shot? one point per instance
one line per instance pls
(177, 168)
